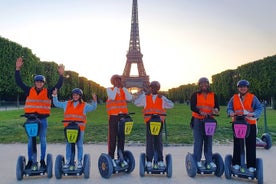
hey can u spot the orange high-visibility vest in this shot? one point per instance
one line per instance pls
(247, 105)
(118, 105)
(38, 102)
(75, 114)
(153, 107)
(204, 104)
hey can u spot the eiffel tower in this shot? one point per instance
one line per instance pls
(134, 56)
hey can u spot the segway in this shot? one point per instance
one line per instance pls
(105, 164)
(241, 130)
(265, 141)
(155, 128)
(32, 126)
(192, 169)
(71, 132)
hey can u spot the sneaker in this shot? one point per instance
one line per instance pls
(213, 165)
(66, 165)
(199, 165)
(251, 169)
(42, 164)
(79, 165)
(236, 167)
(124, 164)
(29, 165)
(114, 163)
(149, 165)
(161, 165)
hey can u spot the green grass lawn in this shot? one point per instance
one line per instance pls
(177, 121)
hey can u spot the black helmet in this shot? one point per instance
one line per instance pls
(243, 83)
(155, 83)
(39, 78)
(203, 79)
(77, 91)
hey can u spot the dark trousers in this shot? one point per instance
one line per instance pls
(113, 137)
(250, 149)
(201, 140)
(154, 143)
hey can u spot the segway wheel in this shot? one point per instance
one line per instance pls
(58, 166)
(259, 171)
(49, 162)
(169, 165)
(86, 166)
(190, 164)
(227, 166)
(105, 165)
(267, 139)
(220, 165)
(130, 160)
(20, 167)
(142, 164)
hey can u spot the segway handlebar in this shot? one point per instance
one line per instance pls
(155, 114)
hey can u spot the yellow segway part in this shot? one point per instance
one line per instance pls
(128, 127)
(155, 128)
(72, 135)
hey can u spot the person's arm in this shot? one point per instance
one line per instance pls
(141, 100)
(111, 94)
(193, 103)
(257, 106)
(230, 108)
(57, 86)
(58, 103)
(127, 94)
(20, 83)
(90, 107)
(216, 102)
(167, 104)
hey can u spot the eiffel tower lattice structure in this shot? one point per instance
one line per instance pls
(134, 56)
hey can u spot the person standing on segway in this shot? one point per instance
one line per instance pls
(245, 103)
(38, 101)
(116, 104)
(153, 103)
(203, 103)
(75, 109)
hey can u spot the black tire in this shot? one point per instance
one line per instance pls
(227, 166)
(217, 159)
(58, 166)
(169, 165)
(259, 171)
(105, 165)
(49, 167)
(130, 160)
(20, 167)
(86, 166)
(267, 139)
(190, 164)
(142, 164)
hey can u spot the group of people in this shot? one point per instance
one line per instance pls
(203, 103)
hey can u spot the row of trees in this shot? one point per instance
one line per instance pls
(261, 74)
(9, 91)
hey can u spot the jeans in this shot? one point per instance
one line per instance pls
(79, 145)
(42, 136)
(201, 140)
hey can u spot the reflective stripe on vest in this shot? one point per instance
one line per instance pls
(204, 104)
(75, 114)
(38, 102)
(246, 105)
(153, 108)
(118, 105)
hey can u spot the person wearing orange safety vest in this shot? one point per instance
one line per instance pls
(116, 104)
(38, 101)
(153, 103)
(245, 103)
(75, 110)
(203, 103)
